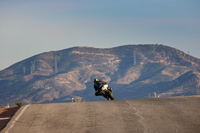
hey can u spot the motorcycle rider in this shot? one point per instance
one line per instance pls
(97, 86)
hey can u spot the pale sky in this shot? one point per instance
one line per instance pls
(30, 27)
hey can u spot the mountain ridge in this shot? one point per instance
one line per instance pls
(134, 71)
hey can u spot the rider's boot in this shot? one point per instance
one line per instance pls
(98, 93)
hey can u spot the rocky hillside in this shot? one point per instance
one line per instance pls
(133, 71)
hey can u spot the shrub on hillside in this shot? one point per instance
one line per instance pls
(19, 104)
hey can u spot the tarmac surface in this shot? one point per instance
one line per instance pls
(155, 115)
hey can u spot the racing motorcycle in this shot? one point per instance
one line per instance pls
(107, 92)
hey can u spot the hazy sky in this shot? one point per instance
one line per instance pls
(30, 27)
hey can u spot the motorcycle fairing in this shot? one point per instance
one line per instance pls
(104, 87)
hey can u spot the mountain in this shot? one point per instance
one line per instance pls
(133, 71)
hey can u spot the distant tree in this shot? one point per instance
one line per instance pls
(78, 100)
(18, 104)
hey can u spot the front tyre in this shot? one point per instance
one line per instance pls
(110, 95)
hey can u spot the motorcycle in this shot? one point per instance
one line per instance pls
(107, 92)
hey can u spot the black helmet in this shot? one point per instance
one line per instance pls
(95, 80)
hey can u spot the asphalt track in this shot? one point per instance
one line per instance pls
(163, 115)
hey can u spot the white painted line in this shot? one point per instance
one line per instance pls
(13, 123)
(5, 118)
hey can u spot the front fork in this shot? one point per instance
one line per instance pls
(110, 89)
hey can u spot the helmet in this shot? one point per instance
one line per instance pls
(95, 80)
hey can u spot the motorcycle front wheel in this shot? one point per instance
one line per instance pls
(110, 95)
